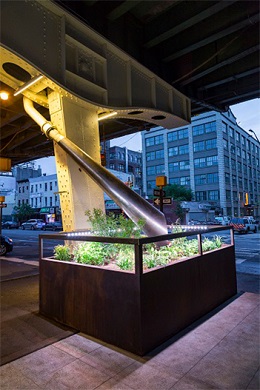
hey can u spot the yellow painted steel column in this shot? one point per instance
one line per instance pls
(78, 121)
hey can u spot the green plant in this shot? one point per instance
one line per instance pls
(113, 226)
(93, 253)
(125, 258)
(62, 252)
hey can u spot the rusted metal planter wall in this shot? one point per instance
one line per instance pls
(136, 312)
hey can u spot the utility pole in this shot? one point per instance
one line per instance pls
(2, 205)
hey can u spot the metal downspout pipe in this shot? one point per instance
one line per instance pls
(130, 202)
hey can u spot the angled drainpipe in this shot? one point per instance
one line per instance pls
(130, 202)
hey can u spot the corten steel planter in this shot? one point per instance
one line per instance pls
(136, 311)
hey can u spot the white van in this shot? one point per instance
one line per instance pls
(222, 220)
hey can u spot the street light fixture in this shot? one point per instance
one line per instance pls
(252, 131)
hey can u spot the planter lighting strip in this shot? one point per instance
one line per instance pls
(188, 227)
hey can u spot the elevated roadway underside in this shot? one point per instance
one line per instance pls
(207, 50)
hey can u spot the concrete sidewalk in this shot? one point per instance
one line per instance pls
(221, 350)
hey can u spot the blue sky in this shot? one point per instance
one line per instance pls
(247, 115)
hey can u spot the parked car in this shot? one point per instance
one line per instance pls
(243, 225)
(52, 226)
(33, 224)
(10, 225)
(6, 245)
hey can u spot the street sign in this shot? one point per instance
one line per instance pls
(165, 201)
(3, 205)
(157, 193)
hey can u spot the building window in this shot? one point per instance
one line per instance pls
(199, 162)
(45, 201)
(185, 181)
(184, 165)
(238, 152)
(173, 151)
(158, 139)
(225, 143)
(213, 195)
(205, 128)
(212, 178)
(159, 169)
(159, 154)
(198, 130)
(237, 137)
(173, 167)
(231, 132)
(200, 196)
(233, 163)
(183, 133)
(184, 149)
(227, 178)
(172, 136)
(150, 156)
(19, 190)
(174, 180)
(212, 160)
(121, 167)
(149, 141)
(45, 187)
(228, 195)
(200, 179)
(36, 188)
(175, 135)
(112, 166)
(150, 170)
(211, 143)
(210, 127)
(224, 127)
(243, 140)
(31, 188)
(226, 161)
(199, 146)
(50, 201)
(232, 149)
(234, 180)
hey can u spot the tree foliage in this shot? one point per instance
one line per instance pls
(23, 212)
(178, 192)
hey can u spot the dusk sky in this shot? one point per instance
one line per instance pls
(247, 114)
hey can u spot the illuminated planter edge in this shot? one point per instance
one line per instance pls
(134, 311)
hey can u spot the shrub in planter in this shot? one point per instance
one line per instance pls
(122, 255)
(62, 252)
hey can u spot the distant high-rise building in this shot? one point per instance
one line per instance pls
(213, 156)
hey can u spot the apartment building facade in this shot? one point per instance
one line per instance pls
(213, 156)
(127, 161)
